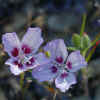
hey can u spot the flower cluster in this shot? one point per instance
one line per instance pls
(53, 64)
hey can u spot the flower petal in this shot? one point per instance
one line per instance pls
(44, 73)
(14, 68)
(76, 61)
(64, 83)
(41, 58)
(10, 42)
(57, 48)
(33, 38)
(38, 59)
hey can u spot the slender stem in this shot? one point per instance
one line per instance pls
(90, 54)
(85, 70)
(85, 81)
(55, 94)
(83, 25)
(85, 74)
(22, 82)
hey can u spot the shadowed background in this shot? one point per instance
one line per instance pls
(57, 19)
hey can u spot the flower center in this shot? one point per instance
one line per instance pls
(26, 49)
(15, 52)
(69, 65)
(59, 59)
(54, 69)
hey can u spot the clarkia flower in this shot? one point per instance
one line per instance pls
(60, 67)
(23, 54)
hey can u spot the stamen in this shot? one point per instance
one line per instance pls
(47, 53)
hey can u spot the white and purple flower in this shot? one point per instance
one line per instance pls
(58, 68)
(23, 54)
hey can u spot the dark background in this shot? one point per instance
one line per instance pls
(57, 19)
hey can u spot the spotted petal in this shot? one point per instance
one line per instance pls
(37, 60)
(44, 73)
(11, 42)
(14, 68)
(57, 48)
(64, 83)
(76, 61)
(32, 38)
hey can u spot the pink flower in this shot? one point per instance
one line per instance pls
(23, 54)
(58, 69)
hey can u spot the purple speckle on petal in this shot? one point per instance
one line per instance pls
(30, 62)
(15, 52)
(20, 65)
(26, 49)
(69, 65)
(59, 59)
(15, 62)
(63, 75)
(54, 69)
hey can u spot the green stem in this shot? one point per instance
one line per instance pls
(83, 25)
(85, 70)
(22, 82)
(90, 54)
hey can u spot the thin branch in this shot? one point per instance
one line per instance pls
(55, 94)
